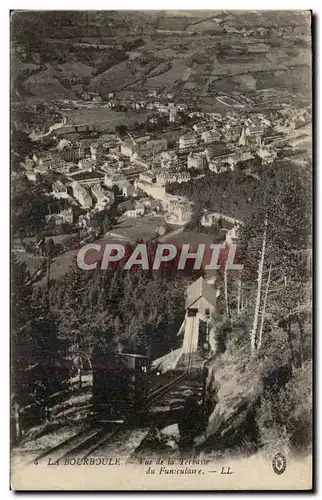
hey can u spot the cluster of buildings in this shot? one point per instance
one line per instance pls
(63, 217)
(155, 101)
(94, 174)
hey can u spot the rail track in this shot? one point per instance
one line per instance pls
(156, 394)
(88, 440)
(81, 444)
(153, 396)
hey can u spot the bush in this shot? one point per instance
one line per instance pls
(284, 417)
(70, 243)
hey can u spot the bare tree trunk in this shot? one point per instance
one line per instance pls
(259, 290)
(48, 280)
(48, 272)
(300, 323)
(80, 377)
(47, 413)
(239, 294)
(290, 343)
(226, 291)
(264, 309)
(17, 421)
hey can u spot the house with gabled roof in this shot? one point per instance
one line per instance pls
(201, 298)
(200, 305)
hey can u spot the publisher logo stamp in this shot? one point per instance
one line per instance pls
(279, 463)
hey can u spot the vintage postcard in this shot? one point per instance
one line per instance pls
(161, 250)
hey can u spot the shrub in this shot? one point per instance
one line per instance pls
(284, 417)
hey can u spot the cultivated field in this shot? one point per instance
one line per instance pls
(100, 117)
(133, 229)
(91, 115)
(192, 237)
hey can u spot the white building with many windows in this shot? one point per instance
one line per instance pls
(81, 195)
(187, 141)
(196, 161)
(59, 190)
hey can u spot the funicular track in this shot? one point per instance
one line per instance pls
(88, 440)
(153, 396)
(80, 445)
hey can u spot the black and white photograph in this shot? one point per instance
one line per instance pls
(161, 250)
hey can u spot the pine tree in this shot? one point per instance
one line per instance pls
(37, 366)
(285, 203)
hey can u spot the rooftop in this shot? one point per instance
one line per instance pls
(218, 150)
(59, 186)
(200, 288)
(87, 176)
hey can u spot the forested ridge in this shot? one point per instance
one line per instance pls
(265, 327)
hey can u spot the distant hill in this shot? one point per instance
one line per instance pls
(60, 54)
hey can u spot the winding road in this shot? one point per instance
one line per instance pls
(36, 137)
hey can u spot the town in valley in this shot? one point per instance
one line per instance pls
(161, 127)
